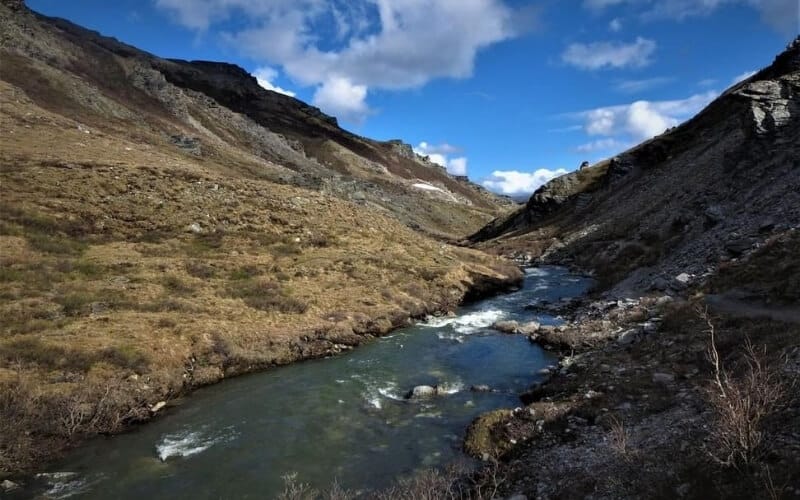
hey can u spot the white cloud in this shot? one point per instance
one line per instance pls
(707, 82)
(600, 145)
(744, 76)
(387, 44)
(339, 97)
(444, 148)
(615, 25)
(457, 166)
(601, 4)
(513, 182)
(265, 75)
(634, 86)
(599, 55)
(439, 154)
(641, 119)
(781, 15)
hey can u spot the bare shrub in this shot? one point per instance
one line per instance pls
(618, 438)
(741, 403)
(295, 490)
(267, 296)
(429, 484)
(455, 482)
(200, 269)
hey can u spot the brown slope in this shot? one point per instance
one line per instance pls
(152, 240)
(187, 98)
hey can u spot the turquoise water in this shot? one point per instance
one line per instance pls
(342, 418)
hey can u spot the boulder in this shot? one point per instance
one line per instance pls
(738, 247)
(659, 284)
(529, 328)
(421, 392)
(628, 336)
(506, 326)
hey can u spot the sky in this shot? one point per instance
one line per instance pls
(508, 92)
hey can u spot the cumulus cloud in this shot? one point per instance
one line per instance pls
(444, 148)
(782, 15)
(340, 97)
(744, 76)
(615, 25)
(707, 82)
(514, 182)
(457, 166)
(606, 145)
(387, 44)
(641, 119)
(265, 75)
(599, 55)
(634, 86)
(439, 154)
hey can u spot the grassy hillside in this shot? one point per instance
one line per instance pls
(153, 240)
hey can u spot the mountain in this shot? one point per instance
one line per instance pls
(166, 224)
(679, 374)
(218, 111)
(710, 190)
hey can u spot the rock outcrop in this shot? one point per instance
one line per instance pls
(710, 190)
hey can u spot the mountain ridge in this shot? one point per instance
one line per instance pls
(154, 240)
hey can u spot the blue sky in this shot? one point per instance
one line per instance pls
(509, 92)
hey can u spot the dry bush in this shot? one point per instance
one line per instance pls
(200, 269)
(175, 285)
(455, 482)
(742, 403)
(267, 296)
(32, 420)
(430, 484)
(618, 439)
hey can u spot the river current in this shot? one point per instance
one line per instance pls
(341, 419)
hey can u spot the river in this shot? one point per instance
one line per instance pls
(343, 418)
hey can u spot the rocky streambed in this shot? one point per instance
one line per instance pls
(393, 406)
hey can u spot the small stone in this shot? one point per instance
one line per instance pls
(7, 485)
(663, 378)
(158, 406)
(628, 336)
(480, 388)
(194, 228)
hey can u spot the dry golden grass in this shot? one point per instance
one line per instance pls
(108, 296)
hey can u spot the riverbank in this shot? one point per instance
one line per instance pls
(345, 418)
(635, 388)
(103, 339)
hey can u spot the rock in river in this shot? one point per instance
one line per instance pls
(421, 392)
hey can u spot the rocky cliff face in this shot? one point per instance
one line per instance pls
(708, 191)
(222, 108)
